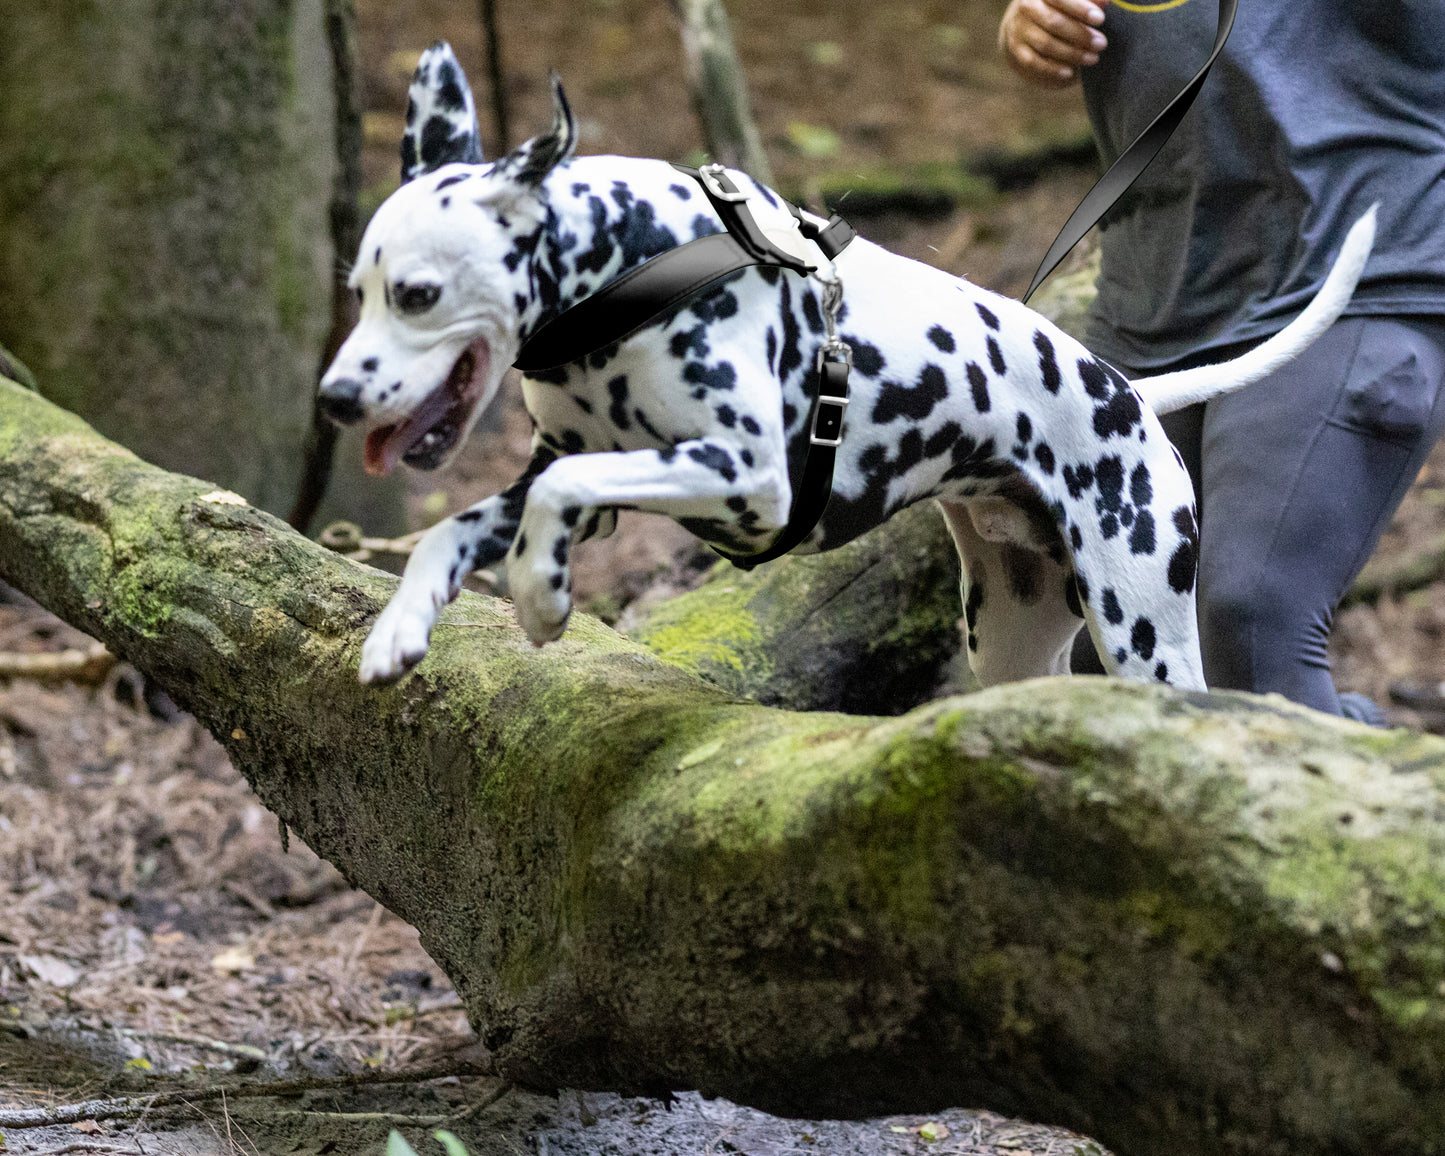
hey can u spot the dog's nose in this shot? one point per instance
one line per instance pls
(340, 400)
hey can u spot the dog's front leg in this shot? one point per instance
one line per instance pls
(450, 550)
(704, 479)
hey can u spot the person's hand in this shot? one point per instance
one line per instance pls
(1048, 41)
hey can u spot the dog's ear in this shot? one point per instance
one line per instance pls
(530, 162)
(441, 117)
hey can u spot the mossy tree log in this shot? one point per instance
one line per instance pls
(1181, 923)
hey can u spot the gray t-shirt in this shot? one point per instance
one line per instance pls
(1315, 109)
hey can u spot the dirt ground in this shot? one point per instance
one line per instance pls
(155, 929)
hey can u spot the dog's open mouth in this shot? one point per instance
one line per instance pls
(425, 438)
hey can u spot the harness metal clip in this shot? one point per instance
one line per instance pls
(827, 426)
(709, 175)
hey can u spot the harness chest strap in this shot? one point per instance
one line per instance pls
(622, 307)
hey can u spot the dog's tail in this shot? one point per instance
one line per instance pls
(1171, 391)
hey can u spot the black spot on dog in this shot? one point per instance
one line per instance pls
(449, 92)
(867, 359)
(718, 305)
(1141, 537)
(719, 376)
(1076, 537)
(751, 426)
(1142, 639)
(559, 550)
(978, 384)
(583, 404)
(446, 202)
(726, 416)
(1045, 457)
(1048, 366)
(666, 453)
(648, 427)
(692, 342)
(1078, 479)
(987, 314)
(737, 504)
(1113, 612)
(971, 607)
(521, 544)
(790, 415)
(1121, 656)
(704, 226)
(939, 441)
(371, 364)
(792, 355)
(1141, 491)
(1118, 416)
(747, 457)
(571, 515)
(1025, 429)
(770, 274)
(617, 411)
(772, 348)
(436, 141)
(917, 402)
(580, 187)
(715, 458)
(942, 338)
(1183, 563)
(1096, 381)
(455, 179)
(1161, 673)
(812, 314)
(573, 442)
(681, 192)
(556, 581)
(995, 357)
(1021, 568)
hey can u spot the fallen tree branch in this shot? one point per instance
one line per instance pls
(1178, 922)
(129, 1107)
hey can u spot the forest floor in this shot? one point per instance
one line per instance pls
(156, 932)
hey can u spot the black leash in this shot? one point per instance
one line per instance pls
(622, 307)
(1134, 160)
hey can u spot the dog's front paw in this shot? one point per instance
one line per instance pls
(396, 643)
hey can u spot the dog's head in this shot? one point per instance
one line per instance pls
(439, 275)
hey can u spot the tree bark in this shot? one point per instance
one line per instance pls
(165, 259)
(719, 88)
(1178, 922)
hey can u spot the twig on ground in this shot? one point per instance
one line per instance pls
(89, 666)
(127, 1106)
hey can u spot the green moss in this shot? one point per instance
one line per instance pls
(717, 632)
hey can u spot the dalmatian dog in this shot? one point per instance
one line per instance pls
(1066, 500)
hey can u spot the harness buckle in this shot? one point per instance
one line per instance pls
(710, 176)
(828, 413)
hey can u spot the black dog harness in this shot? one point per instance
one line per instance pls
(622, 307)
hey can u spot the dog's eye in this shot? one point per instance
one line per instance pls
(417, 298)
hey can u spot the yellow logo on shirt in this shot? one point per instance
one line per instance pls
(1163, 6)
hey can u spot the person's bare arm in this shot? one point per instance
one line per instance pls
(1048, 41)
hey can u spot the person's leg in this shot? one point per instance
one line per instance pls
(1301, 473)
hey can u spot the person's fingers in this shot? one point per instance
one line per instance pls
(1039, 70)
(1070, 21)
(1047, 41)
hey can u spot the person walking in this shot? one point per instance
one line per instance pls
(1315, 110)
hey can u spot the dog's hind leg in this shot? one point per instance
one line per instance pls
(1020, 611)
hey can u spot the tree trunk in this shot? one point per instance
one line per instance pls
(1179, 922)
(719, 88)
(165, 255)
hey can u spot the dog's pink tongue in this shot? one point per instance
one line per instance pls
(382, 451)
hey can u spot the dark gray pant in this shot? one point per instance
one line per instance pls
(1296, 477)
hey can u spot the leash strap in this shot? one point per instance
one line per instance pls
(825, 435)
(1134, 160)
(625, 305)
